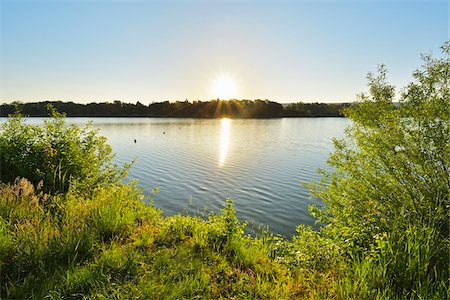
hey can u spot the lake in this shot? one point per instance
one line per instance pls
(197, 164)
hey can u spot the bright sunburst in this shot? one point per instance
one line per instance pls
(224, 87)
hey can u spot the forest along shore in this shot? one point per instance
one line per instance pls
(245, 109)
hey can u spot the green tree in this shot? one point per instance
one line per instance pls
(387, 201)
(58, 154)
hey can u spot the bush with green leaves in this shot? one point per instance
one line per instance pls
(387, 201)
(57, 154)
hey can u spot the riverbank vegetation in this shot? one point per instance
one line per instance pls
(74, 230)
(245, 109)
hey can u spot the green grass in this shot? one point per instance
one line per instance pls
(111, 245)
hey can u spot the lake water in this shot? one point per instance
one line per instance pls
(198, 164)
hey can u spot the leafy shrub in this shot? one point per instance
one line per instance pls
(56, 154)
(392, 180)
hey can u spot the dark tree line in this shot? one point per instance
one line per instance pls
(301, 109)
(179, 109)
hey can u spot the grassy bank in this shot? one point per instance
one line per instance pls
(112, 245)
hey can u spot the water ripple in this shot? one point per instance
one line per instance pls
(264, 164)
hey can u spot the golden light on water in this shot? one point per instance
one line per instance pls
(224, 140)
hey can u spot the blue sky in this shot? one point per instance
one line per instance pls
(285, 51)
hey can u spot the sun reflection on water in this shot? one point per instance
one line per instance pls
(224, 140)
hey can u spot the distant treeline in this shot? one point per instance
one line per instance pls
(179, 109)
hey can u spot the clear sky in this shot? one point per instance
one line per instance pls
(148, 51)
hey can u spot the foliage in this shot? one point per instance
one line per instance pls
(180, 109)
(301, 109)
(113, 245)
(400, 265)
(56, 154)
(387, 201)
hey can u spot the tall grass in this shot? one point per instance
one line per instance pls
(114, 245)
(111, 245)
(405, 265)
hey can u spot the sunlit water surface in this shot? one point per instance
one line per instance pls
(198, 164)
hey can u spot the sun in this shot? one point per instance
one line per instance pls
(224, 87)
